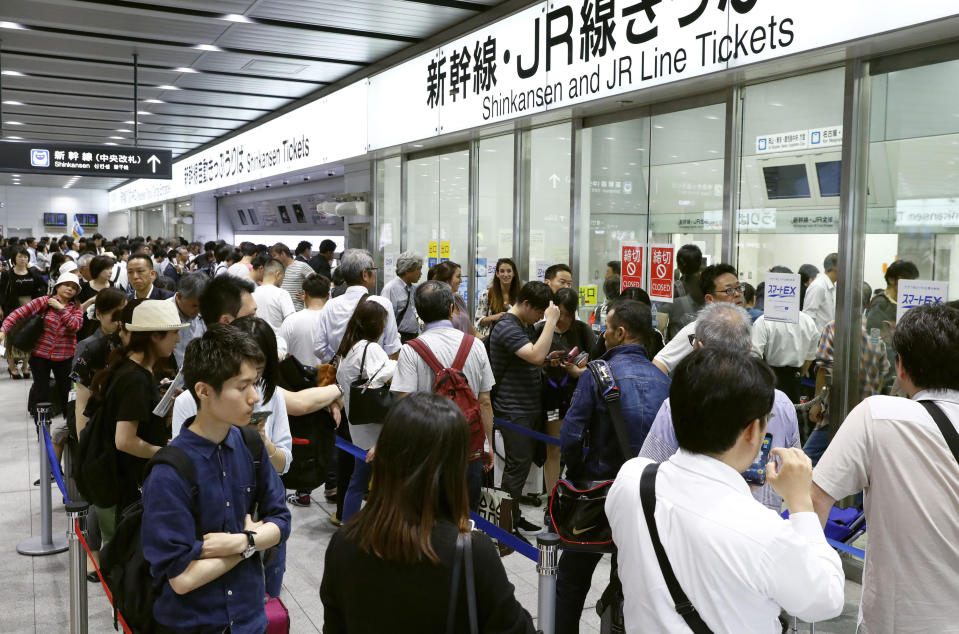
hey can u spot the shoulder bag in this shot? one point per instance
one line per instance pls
(578, 512)
(945, 426)
(27, 332)
(368, 405)
(647, 493)
(462, 559)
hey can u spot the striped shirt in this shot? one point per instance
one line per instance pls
(296, 272)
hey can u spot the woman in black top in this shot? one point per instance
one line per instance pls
(18, 286)
(400, 547)
(560, 374)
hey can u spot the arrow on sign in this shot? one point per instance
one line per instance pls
(153, 161)
(554, 179)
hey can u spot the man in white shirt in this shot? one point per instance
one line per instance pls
(788, 348)
(296, 272)
(719, 283)
(273, 304)
(31, 244)
(893, 448)
(399, 290)
(820, 300)
(297, 329)
(243, 266)
(738, 562)
(187, 302)
(434, 304)
(359, 272)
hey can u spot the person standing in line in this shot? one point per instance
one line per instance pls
(297, 329)
(399, 290)
(820, 300)
(451, 274)
(273, 303)
(501, 295)
(141, 275)
(303, 252)
(19, 286)
(187, 301)
(322, 262)
(517, 363)
(294, 274)
(807, 273)
(243, 266)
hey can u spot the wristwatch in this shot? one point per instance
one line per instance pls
(251, 544)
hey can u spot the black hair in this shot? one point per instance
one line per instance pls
(327, 246)
(611, 286)
(367, 323)
(223, 296)
(222, 252)
(304, 245)
(636, 294)
(433, 300)
(443, 272)
(636, 317)
(217, 357)
(337, 278)
(927, 342)
(551, 271)
(567, 298)
(166, 283)
(807, 272)
(234, 256)
(248, 249)
(262, 333)
(99, 264)
(260, 260)
(901, 270)
(707, 280)
(715, 394)
(279, 247)
(316, 286)
(18, 250)
(141, 256)
(689, 259)
(109, 299)
(615, 266)
(749, 293)
(537, 293)
(780, 269)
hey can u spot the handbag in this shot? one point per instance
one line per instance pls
(368, 405)
(27, 332)
(462, 559)
(496, 507)
(578, 512)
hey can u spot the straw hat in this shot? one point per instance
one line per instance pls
(66, 278)
(153, 315)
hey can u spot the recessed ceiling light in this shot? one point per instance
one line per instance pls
(109, 144)
(141, 112)
(153, 101)
(19, 138)
(184, 69)
(235, 17)
(12, 25)
(130, 122)
(11, 102)
(118, 138)
(208, 47)
(124, 130)
(13, 123)
(11, 73)
(167, 87)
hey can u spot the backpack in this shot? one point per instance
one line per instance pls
(451, 383)
(313, 434)
(124, 568)
(95, 466)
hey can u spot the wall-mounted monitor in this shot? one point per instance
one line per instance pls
(284, 214)
(252, 215)
(88, 220)
(242, 214)
(829, 174)
(54, 220)
(786, 181)
(298, 212)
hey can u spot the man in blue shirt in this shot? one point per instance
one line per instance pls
(205, 547)
(643, 388)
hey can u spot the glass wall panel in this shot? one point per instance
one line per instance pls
(494, 231)
(389, 207)
(438, 205)
(789, 199)
(549, 197)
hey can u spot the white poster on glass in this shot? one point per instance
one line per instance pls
(782, 297)
(914, 293)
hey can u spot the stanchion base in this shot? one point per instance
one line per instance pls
(35, 547)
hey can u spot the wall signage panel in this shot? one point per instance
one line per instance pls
(85, 160)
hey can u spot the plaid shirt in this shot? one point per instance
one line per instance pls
(873, 362)
(59, 339)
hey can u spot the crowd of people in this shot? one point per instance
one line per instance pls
(424, 390)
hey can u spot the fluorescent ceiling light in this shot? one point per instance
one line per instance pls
(124, 130)
(13, 123)
(184, 69)
(143, 112)
(167, 87)
(153, 101)
(15, 137)
(12, 25)
(11, 73)
(118, 138)
(10, 102)
(235, 17)
(109, 144)
(208, 47)
(130, 122)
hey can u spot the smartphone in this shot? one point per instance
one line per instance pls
(581, 359)
(572, 354)
(259, 417)
(556, 354)
(756, 473)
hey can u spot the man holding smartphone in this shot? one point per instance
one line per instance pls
(736, 562)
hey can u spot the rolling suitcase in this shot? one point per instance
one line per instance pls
(277, 615)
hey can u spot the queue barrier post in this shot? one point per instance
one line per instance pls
(46, 543)
(77, 514)
(546, 568)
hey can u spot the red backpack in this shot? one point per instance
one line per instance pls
(451, 383)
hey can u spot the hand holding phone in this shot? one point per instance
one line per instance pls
(572, 354)
(259, 417)
(756, 473)
(792, 479)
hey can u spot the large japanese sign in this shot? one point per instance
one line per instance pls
(661, 263)
(913, 293)
(85, 160)
(782, 297)
(631, 270)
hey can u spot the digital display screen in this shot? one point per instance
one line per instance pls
(253, 219)
(298, 212)
(88, 220)
(830, 178)
(242, 215)
(786, 181)
(54, 220)
(284, 214)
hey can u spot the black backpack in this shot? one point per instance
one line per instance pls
(313, 434)
(122, 563)
(95, 466)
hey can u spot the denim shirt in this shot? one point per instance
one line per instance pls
(642, 388)
(172, 537)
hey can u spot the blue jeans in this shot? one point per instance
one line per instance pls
(816, 444)
(273, 572)
(474, 483)
(359, 482)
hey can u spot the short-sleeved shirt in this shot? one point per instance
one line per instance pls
(519, 381)
(92, 355)
(414, 375)
(297, 330)
(400, 295)
(786, 345)
(296, 272)
(677, 349)
(891, 448)
(273, 305)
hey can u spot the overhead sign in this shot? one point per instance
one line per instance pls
(661, 263)
(913, 293)
(631, 266)
(799, 140)
(85, 160)
(782, 297)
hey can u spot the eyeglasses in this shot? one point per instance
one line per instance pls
(733, 290)
(692, 340)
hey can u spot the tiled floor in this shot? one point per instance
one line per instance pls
(35, 593)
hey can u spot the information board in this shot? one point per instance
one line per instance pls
(913, 293)
(782, 297)
(85, 160)
(661, 264)
(631, 260)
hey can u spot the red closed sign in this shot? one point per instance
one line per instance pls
(661, 267)
(631, 260)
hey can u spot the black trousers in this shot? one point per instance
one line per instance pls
(787, 380)
(41, 369)
(520, 449)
